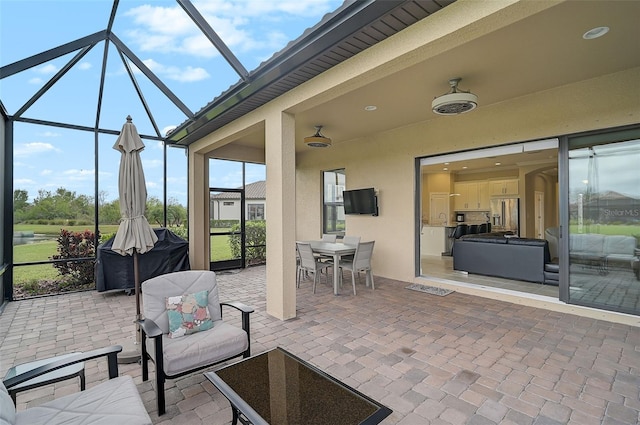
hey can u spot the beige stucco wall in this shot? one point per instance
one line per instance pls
(386, 161)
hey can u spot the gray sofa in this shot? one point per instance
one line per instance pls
(605, 251)
(500, 256)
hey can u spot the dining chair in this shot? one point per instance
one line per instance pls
(326, 238)
(361, 263)
(350, 240)
(310, 264)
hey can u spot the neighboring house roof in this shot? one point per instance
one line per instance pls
(257, 190)
(351, 29)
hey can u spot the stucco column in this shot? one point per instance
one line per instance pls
(198, 211)
(281, 215)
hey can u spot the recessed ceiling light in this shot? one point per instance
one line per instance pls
(465, 167)
(595, 33)
(370, 108)
(498, 163)
(446, 163)
(445, 169)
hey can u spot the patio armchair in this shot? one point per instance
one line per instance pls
(183, 330)
(361, 262)
(114, 401)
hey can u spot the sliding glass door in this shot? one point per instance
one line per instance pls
(604, 220)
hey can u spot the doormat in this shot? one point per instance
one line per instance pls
(433, 290)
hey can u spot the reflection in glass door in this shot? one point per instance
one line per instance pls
(604, 221)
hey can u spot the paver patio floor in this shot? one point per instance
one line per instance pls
(456, 359)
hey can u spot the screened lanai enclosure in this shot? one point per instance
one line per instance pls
(63, 106)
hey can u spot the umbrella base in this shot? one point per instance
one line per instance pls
(130, 353)
(131, 348)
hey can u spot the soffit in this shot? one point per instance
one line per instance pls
(354, 27)
(540, 52)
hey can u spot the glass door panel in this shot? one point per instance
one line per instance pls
(226, 228)
(604, 221)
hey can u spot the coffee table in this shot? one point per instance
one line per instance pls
(277, 387)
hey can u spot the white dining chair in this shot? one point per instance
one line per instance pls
(351, 240)
(329, 238)
(361, 262)
(310, 264)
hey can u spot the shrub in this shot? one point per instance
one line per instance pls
(255, 243)
(182, 231)
(73, 245)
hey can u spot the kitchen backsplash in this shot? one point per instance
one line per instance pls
(476, 217)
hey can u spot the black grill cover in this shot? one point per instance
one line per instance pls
(114, 271)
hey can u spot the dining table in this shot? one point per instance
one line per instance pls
(335, 250)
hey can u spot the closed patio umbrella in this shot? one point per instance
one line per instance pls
(135, 235)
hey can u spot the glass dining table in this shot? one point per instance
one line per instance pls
(335, 250)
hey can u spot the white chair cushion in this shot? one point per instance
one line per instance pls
(200, 349)
(156, 290)
(7, 409)
(115, 401)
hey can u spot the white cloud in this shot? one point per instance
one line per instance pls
(47, 69)
(84, 66)
(34, 148)
(167, 129)
(152, 163)
(23, 182)
(46, 172)
(49, 134)
(78, 175)
(242, 24)
(36, 81)
(186, 74)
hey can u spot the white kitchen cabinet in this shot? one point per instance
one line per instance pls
(506, 187)
(471, 196)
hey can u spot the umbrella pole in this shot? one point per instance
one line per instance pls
(134, 356)
(136, 280)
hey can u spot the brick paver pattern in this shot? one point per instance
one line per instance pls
(456, 359)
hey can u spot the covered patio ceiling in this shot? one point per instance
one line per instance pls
(529, 48)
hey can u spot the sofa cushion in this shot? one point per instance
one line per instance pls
(619, 245)
(586, 244)
(7, 409)
(115, 401)
(527, 241)
(485, 238)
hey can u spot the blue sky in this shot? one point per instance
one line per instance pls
(161, 35)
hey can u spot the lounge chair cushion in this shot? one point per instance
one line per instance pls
(115, 401)
(7, 409)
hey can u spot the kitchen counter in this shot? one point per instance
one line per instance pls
(433, 239)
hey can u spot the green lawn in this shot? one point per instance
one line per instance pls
(608, 229)
(54, 230)
(220, 248)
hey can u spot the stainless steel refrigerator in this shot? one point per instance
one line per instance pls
(505, 215)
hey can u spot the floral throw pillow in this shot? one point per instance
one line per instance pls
(188, 314)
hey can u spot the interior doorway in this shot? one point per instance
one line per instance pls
(438, 208)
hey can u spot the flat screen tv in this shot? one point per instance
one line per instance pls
(360, 201)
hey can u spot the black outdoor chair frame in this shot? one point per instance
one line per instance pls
(151, 330)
